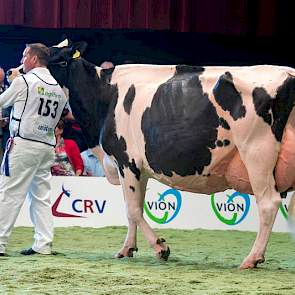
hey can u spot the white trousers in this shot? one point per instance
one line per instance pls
(29, 166)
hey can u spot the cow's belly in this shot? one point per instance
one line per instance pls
(230, 172)
(194, 183)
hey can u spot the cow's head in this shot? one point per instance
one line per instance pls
(62, 57)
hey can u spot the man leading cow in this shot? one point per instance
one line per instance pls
(38, 102)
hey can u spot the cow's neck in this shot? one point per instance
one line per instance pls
(90, 98)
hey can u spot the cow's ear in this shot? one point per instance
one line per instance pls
(64, 43)
(68, 40)
(79, 48)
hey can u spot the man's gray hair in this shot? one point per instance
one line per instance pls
(41, 51)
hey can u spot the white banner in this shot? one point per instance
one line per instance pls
(93, 202)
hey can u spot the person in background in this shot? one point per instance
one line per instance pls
(92, 166)
(4, 116)
(72, 130)
(2, 80)
(107, 65)
(68, 161)
(38, 102)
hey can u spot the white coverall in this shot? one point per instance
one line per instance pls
(38, 102)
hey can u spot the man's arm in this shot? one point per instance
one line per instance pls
(13, 93)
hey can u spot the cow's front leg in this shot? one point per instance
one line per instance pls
(134, 188)
(130, 244)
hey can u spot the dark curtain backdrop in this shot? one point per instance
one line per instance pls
(234, 17)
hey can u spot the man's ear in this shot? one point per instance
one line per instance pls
(35, 58)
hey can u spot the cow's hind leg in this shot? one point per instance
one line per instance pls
(130, 243)
(134, 193)
(260, 163)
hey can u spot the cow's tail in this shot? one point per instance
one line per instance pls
(291, 215)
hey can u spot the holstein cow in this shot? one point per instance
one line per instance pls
(198, 129)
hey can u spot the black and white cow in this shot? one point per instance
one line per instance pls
(199, 129)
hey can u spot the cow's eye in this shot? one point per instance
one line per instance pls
(63, 64)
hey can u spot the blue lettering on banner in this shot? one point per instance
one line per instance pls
(74, 206)
(88, 206)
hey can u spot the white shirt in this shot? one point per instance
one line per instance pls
(16, 94)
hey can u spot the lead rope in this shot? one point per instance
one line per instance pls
(5, 161)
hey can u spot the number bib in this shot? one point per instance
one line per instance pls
(42, 110)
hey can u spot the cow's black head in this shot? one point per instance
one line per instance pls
(61, 58)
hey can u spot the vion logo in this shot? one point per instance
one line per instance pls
(166, 208)
(233, 210)
(77, 206)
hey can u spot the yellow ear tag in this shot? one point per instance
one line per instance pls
(77, 54)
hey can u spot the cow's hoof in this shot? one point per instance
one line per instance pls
(251, 263)
(126, 253)
(119, 255)
(131, 250)
(164, 254)
(162, 251)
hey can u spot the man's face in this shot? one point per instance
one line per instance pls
(28, 60)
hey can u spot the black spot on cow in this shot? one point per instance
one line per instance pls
(219, 143)
(128, 100)
(121, 171)
(184, 69)
(223, 123)
(275, 110)
(226, 142)
(116, 146)
(228, 97)
(180, 126)
(132, 188)
(262, 103)
(134, 169)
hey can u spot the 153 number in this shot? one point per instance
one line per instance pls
(47, 107)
